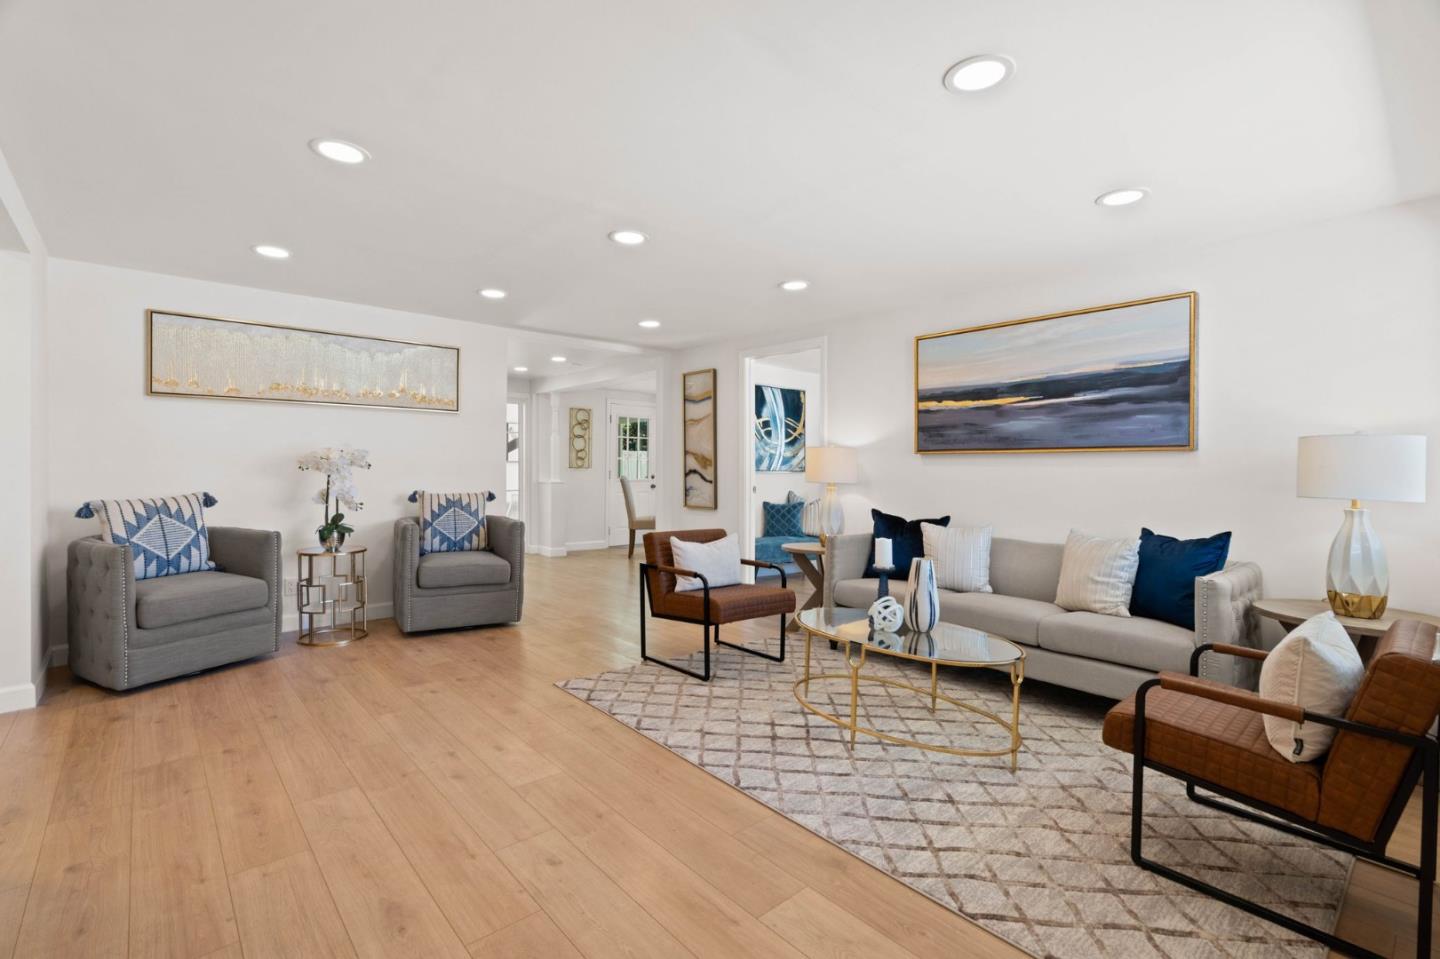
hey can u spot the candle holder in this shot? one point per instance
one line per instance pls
(884, 573)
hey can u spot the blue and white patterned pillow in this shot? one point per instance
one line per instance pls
(451, 522)
(166, 535)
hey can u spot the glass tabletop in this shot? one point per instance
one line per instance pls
(946, 643)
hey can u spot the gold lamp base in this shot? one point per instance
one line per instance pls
(1357, 605)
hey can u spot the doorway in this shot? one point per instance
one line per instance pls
(631, 454)
(514, 457)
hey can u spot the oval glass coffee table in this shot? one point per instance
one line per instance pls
(945, 645)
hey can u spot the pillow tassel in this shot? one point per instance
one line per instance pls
(414, 496)
(85, 512)
(207, 501)
(489, 496)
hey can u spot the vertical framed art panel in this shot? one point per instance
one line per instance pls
(210, 357)
(698, 415)
(1119, 377)
(580, 438)
(779, 429)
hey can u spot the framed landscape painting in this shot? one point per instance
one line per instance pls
(1108, 378)
(206, 356)
(779, 429)
(698, 389)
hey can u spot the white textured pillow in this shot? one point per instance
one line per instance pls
(718, 561)
(1097, 575)
(961, 555)
(1317, 668)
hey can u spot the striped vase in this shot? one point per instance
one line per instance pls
(922, 608)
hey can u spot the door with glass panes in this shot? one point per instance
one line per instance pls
(631, 454)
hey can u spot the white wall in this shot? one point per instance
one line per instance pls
(109, 439)
(772, 487)
(1328, 328)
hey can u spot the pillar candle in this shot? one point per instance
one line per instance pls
(883, 555)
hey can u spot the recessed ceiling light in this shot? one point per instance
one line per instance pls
(557, 359)
(974, 74)
(522, 369)
(795, 286)
(490, 293)
(1123, 197)
(649, 324)
(273, 252)
(628, 237)
(340, 151)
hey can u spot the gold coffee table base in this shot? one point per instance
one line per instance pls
(856, 678)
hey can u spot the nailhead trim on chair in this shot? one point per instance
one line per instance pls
(124, 631)
(280, 586)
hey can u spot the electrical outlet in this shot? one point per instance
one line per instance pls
(290, 587)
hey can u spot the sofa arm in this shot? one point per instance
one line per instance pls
(506, 539)
(845, 558)
(100, 608)
(403, 568)
(254, 553)
(1223, 617)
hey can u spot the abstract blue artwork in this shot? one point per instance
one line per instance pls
(1119, 377)
(779, 430)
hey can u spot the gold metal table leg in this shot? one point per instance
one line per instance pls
(1017, 676)
(934, 683)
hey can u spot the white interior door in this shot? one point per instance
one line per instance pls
(631, 453)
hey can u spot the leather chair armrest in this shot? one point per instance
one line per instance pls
(1232, 697)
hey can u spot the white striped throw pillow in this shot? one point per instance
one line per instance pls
(961, 555)
(1098, 575)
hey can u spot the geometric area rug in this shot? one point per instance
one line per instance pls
(1040, 856)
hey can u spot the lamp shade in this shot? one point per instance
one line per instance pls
(830, 464)
(1362, 466)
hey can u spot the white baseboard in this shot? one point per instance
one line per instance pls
(551, 551)
(586, 545)
(22, 696)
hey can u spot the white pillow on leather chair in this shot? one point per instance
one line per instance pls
(1317, 668)
(718, 561)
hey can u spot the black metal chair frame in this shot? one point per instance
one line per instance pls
(1424, 766)
(706, 624)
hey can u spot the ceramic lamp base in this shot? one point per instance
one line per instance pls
(1357, 578)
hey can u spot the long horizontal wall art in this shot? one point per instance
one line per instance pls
(216, 358)
(1108, 378)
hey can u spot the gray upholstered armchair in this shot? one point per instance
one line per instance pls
(468, 588)
(125, 632)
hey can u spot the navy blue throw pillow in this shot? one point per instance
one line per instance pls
(784, 519)
(1165, 581)
(906, 543)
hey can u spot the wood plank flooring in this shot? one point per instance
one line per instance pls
(437, 796)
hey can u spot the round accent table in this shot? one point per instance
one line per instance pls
(1292, 612)
(331, 602)
(810, 557)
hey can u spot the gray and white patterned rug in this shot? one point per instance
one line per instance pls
(1039, 857)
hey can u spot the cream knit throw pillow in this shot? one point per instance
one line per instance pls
(1097, 575)
(1317, 668)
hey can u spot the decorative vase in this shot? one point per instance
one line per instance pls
(922, 607)
(333, 543)
(886, 615)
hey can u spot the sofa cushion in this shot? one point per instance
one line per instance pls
(1022, 568)
(465, 568)
(1129, 641)
(860, 593)
(168, 600)
(1012, 617)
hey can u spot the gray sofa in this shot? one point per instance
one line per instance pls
(1106, 655)
(125, 633)
(452, 590)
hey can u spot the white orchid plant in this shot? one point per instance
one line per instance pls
(339, 468)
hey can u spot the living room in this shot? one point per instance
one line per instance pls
(717, 482)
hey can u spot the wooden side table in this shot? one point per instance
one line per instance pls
(322, 597)
(810, 557)
(1292, 612)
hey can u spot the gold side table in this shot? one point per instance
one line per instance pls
(331, 606)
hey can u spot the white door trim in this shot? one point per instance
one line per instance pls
(615, 535)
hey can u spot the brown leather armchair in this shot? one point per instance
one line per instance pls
(1212, 737)
(707, 608)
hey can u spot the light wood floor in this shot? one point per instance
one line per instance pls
(437, 796)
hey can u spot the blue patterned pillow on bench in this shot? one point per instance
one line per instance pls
(166, 535)
(783, 519)
(452, 522)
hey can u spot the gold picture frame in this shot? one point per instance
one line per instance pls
(697, 412)
(1166, 377)
(322, 377)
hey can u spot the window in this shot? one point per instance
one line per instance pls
(632, 435)
(512, 459)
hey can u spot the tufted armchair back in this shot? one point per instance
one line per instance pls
(1401, 691)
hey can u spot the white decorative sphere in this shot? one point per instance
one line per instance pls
(886, 614)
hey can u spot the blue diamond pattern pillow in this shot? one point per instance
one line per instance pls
(451, 522)
(166, 535)
(783, 519)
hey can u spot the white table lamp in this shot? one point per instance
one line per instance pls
(830, 465)
(1360, 466)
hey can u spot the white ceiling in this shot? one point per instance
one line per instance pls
(753, 140)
